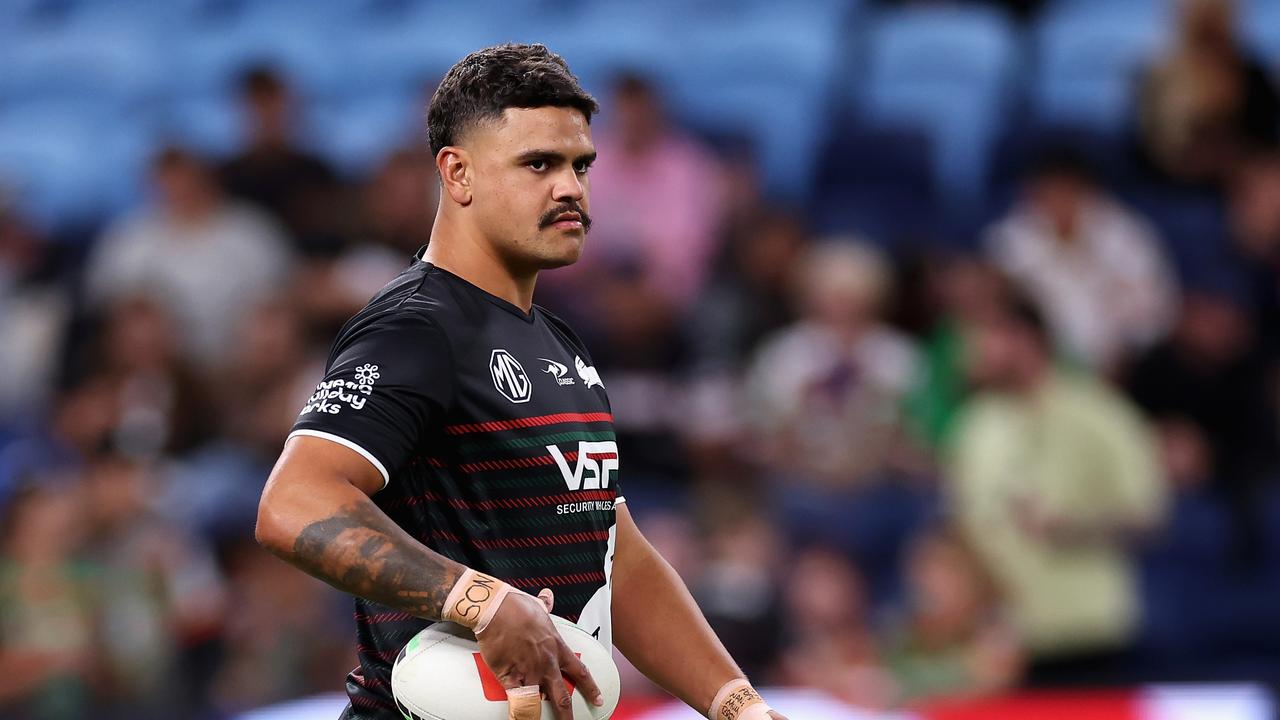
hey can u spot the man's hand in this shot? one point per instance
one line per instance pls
(776, 715)
(523, 648)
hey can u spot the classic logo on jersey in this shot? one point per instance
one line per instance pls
(587, 373)
(591, 472)
(558, 371)
(509, 378)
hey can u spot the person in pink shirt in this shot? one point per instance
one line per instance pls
(660, 197)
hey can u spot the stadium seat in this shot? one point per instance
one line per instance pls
(877, 183)
(947, 72)
(1088, 59)
(357, 133)
(214, 52)
(92, 69)
(768, 80)
(1260, 25)
(45, 163)
(210, 125)
(400, 51)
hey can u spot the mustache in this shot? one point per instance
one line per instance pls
(549, 217)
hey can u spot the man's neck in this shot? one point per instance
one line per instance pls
(464, 253)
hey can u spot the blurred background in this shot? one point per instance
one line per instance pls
(964, 317)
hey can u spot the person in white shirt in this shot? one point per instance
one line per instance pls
(206, 259)
(1094, 266)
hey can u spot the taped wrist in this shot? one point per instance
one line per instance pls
(474, 600)
(737, 700)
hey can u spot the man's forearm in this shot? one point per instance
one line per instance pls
(359, 550)
(659, 628)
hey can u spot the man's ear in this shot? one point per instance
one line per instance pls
(454, 165)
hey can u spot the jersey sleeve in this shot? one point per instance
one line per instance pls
(385, 384)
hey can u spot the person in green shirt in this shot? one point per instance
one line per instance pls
(1052, 477)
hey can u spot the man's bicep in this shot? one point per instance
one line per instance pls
(314, 460)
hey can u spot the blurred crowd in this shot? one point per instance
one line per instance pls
(893, 471)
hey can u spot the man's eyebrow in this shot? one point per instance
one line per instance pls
(529, 156)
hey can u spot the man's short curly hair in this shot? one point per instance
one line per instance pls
(486, 82)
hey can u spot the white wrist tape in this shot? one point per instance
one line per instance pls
(737, 700)
(474, 600)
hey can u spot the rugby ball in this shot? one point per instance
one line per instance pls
(441, 676)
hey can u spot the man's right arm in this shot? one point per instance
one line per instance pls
(316, 513)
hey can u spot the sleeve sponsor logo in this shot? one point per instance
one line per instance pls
(332, 395)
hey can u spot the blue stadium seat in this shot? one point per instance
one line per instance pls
(1088, 59)
(43, 162)
(877, 183)
(1260, 25)
(949, 73)
(400, 51)
(210, 125)
(211, 56)
(767, 79)
(357, 133)
(94, 70)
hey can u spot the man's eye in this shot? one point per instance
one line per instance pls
(537, 165)
(581, 167)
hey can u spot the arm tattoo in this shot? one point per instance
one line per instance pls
(359, 550)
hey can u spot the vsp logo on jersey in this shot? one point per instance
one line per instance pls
(591, 472)
(509, 377)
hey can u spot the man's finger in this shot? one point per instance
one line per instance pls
(524, 703)
(558, 694)
(548, 598)
(577, 671)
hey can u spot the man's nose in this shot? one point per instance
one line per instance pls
(568, 186)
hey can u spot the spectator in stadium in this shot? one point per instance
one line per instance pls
(160, 595)
(204, 258)
(48, 662)
(1210, 373)
(660, 197)
(961, 293)
(1206, 100)
(829, 642)
(284, 640)
(1052, 477)
(750, 298)
(823, 395)
(162, 405)
(33, 312)
(274, 173)
(737, 589)
(1254, 211)
(953, 639)
(1094, 266)
(396, 212)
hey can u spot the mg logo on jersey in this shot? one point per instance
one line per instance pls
(509, 377)
(591, 472)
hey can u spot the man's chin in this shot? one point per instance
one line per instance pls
(564, 250)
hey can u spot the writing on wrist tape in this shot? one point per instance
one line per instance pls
(737, 700)
(474, 600)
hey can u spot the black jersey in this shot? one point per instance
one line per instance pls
(493, 432)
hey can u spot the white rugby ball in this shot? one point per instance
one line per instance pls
(441, 676)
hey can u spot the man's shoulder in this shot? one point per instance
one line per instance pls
(413, 300)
